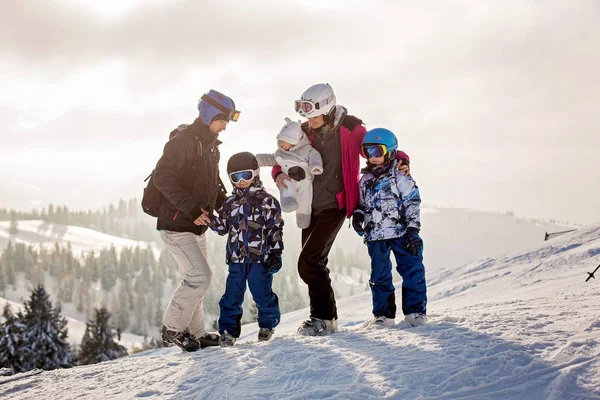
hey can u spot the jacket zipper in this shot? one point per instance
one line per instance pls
(175, 216)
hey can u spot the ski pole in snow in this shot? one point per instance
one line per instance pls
(591, 274)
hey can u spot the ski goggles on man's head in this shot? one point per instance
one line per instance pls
(374, 150)
(244, 175)
(308, 106)
(230, 115)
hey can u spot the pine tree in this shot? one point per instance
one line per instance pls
(14, 225)
(45, 334)
(9, 264)
(108, 268)
(124, 263)
(98, 343)
(91, 267)
(122, 307)
(2, 279)
(10, 342)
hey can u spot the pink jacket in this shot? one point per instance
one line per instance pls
(351, 156)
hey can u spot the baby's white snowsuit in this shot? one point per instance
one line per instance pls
(299, 194)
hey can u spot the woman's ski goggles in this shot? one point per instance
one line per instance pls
(374, 150)
(308, 106)
(245, 175)
(231, 115)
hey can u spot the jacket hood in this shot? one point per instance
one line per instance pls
(340, 114)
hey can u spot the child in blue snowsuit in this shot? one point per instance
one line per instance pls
(388, 217)
(252, 219)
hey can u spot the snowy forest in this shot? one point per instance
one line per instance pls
(134, 284)
(36, 338)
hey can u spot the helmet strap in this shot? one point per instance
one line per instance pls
(390, 156)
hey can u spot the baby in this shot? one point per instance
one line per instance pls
(301, 162)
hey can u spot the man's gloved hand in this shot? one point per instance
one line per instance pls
(414, 243)
(358, 220)
(297, 173)
(274, 262)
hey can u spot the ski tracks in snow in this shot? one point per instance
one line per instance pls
(543, 348)
(489, 355)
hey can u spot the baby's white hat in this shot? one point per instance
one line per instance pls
(291, 132)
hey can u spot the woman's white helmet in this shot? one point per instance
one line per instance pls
(316, 100)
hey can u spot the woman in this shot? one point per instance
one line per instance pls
(337, 136)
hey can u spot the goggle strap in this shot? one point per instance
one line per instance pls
(324, 102)
(219, 106)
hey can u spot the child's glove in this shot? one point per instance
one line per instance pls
(297, 173)
(414, 243)
(358, 220)
(274, 262)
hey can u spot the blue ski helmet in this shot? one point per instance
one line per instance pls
(215, 105)
(381, 136)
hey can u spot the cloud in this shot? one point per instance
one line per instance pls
(470, 85)
(59, 33)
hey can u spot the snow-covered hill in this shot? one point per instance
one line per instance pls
(37, 232)
(520, 326)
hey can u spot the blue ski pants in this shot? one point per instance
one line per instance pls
(260, 282)
(409, 266)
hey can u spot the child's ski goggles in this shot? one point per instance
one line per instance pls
(374, 150)
(308, 106)
(231, 115)
(245, 175)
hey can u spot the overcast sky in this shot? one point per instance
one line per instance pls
(497, 103)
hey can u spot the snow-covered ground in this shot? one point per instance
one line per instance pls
(520, 326)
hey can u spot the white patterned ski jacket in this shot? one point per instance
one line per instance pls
(252, 219)
(390, 202)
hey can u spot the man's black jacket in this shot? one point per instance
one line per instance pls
(187, 175)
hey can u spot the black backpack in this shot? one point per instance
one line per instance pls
(152, 197)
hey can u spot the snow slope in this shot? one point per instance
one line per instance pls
(37, 232)
(519, 326)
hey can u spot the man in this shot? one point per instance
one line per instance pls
(187, 175)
